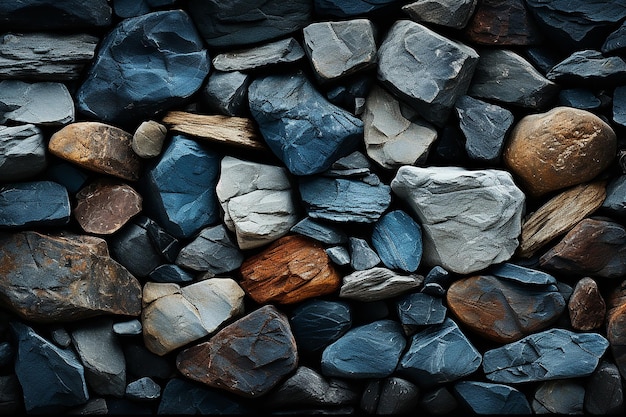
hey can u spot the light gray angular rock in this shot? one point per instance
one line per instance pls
(227, 92)
(391, 139)
(440, 69)
(22, 152)
(320, 231)
(257, 201)
(469, 219)
(589, 67)
(174, 316)
(355, 164)
(213, 250)
(377, 283)
(143, 389)
(340, 48)
(450, 13)
(282, 51)
(339, 255)
(127, 328)
(102, 356)
(362, 256)
(39, 103)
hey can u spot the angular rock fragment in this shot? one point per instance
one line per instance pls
(22, 152)
(437, 281)
(603, 392)
(615, 202)
(559, 397)
(419, 309)
(520, 274)
(390, 396)
(377, 284)
(497, 22)
(362, 256)
(170, 273)
(317, 323)
(227, 93)
(127, 328)
(339, 255)
(33, 203)
(213, 250)
(284, 51)
(616, 41)
(490, 398)
(449, 13)
(397, 239)
(148, 139)
(580, 98)
(589, 68)
(40, 103)
(586, 306)
(320, 231)
(143, 389)
(133, 248)
(61, 14)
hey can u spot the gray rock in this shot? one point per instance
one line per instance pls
(43, 103)
(34, 203)
(521, 274)
(339, 48)
(143, 389)
(170, 273)
(450, 13)
(227, 93)
(469, 219)
(390, 396)
(419, 309)
(320, 231)
(563, 397)
(61, 14)
(589, 67)
(339, 255)
(362, 256)
(22, 152)
(616, 41)
(490, 398)
(377, 284)
(128, 328)
(148, 139)
(441, 69)
(284, 51)
(133, 248)
(213, 250)
(604, 394)
(391, 139)
(580, 98)
(355, 164)
(102, 356)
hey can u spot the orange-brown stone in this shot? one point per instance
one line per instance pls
(560, 148)
(97, 147)
(292, 269)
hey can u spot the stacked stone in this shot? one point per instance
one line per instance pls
(313, 206)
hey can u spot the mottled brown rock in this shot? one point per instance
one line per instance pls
(97, 147)
(594, 247)
(104, 206)
(292, 269)
(558, 149)
(558, 215)
(616, 335)
(502, 310)
(586, 306)
(54, 278)
(502, 22)
(248, 357)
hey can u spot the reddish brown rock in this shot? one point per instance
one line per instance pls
(616, 335)
(502, 22)
(503, 310)
(104, 206)
(248, 357)
(586, 306)
(292, 269)
(558, 149)
(97, 147)
(53, 278)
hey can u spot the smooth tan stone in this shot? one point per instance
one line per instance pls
(148, 139)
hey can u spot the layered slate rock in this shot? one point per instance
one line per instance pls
(174, 316)
(469, 219)
(453, 14)
(502, 310)
(362, 256)
(302, 128)
(490, 398)
(42, 103)
(419, 309)
(64, 277)
(213, 250)
(441, 68)
(248, 357)
(589, 68)
(292, 269)
(257, 201)
(321, 231)
(48, 204)
(283, 51)
(62, 14)
(180, 187)
(22, 152)
(124, 82)
(97, 147)
(543, 356)
(368, 351)
(317, 323)
(397, 239)
(559, 148)
(377, 284)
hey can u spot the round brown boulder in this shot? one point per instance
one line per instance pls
(560, 148)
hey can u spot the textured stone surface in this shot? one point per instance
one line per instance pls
(603, 392)
(48, 204)
(559, 397)
(22, 152)
(213, 250)
(377, 283)
(449, 13)
(362, 256)
(317, 323)
(490, 398)
(397, 239)
(343, 8)
(391, 395)
(321, 231)
(227, 92)
(589, 68)
(133, 247)
(43, 103)
(62, 14)
(420, 309)
(520, 274)
(498, 22)
(283, 51)
(148, 139)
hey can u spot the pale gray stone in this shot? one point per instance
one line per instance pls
(127, 328)
(22, 152)
(339, 255)
(450, 13)
(143, 389)
(272, 53)
(377, 283)
(40, 103)
(362, 256)
(148, 139)
(470, 219)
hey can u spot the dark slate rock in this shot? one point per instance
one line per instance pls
(449, 149)
(604, 394)
(441, 12)
(580, 98)
(438, 401)
(390, 396)
(362, 256)
(589, 68)
(616, 41)
(303, 129)
(543, 57)
(349, 8)
(339, 255)
(317, 323)
(243, 22)
(213, 250)
(490, 398)
(437, 281)
(181, 396)
(521, 274)
(227, 93)
(343, 200)
(438, 77)
(142, 362)
(419, 309)
(67, 174)
(350, 94)
(22, 152)
(282, 51)
(615, 202)
(49, 15)
(132, 248)
(52, 379)
(143, 389)
(164, 243)
(31, 204)
(397, 239)
(11, 399)
(368, 351)
(320, 231)
(563, 397)
(439, 354)
(180, 188)
(170, 273)
(485, 127)
(547, 355)
(125, 83)
(130, 8)
(619, 105)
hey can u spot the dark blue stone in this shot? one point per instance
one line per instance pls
(170, 273)
(130, 8)
(615, 201)
(579, 98)
(36, 203)
(180, 188)
(490, 398)
(397, 239)
(145, 65)
(317, 323)
(33, 15)
(320, 231)
(437, 281)
(419, 309)
(521, 274)
(301, 127)
(72, 177)
(449, 149)
(351, 94)
(164, 243)
(616, 41)
(619, 105)
(181, 396)
(348, 8)
(368, 351)
(132, 247)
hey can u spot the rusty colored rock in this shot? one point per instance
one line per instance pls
(558, 149)
(502, 22)
(616, 335)
(248, 357)
(292, 269)
(104, 206)
(55, 278)
(97, 147)
(586, 306)
(501, 310)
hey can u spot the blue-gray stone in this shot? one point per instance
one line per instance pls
(145, 65)
(436, 281)
(227, 93)
(339, 255)
(170, 273)
(34, 15)
(420, 309)
(132, 248)
(368, 351)
(52, 379)
(214, 250)
(551, 354)
(615, 202)
(397, 239)
(320, 231)
(490, 398)
(143, 389)
(22, 152)
(316, 323)
(589, 67)
(344, 200)
(130, 8)
(616, 41)
(579, 98)
(512, 272)
(354, 165)
(619, 105)
(348, 8)
(439, 354)
(164, 243)
(34, 203)
(70, 175)
(351, 93)
(43, 103)
(182, 396)
(301, 127)
(362, 256)
(180, 188)
(562, 397)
